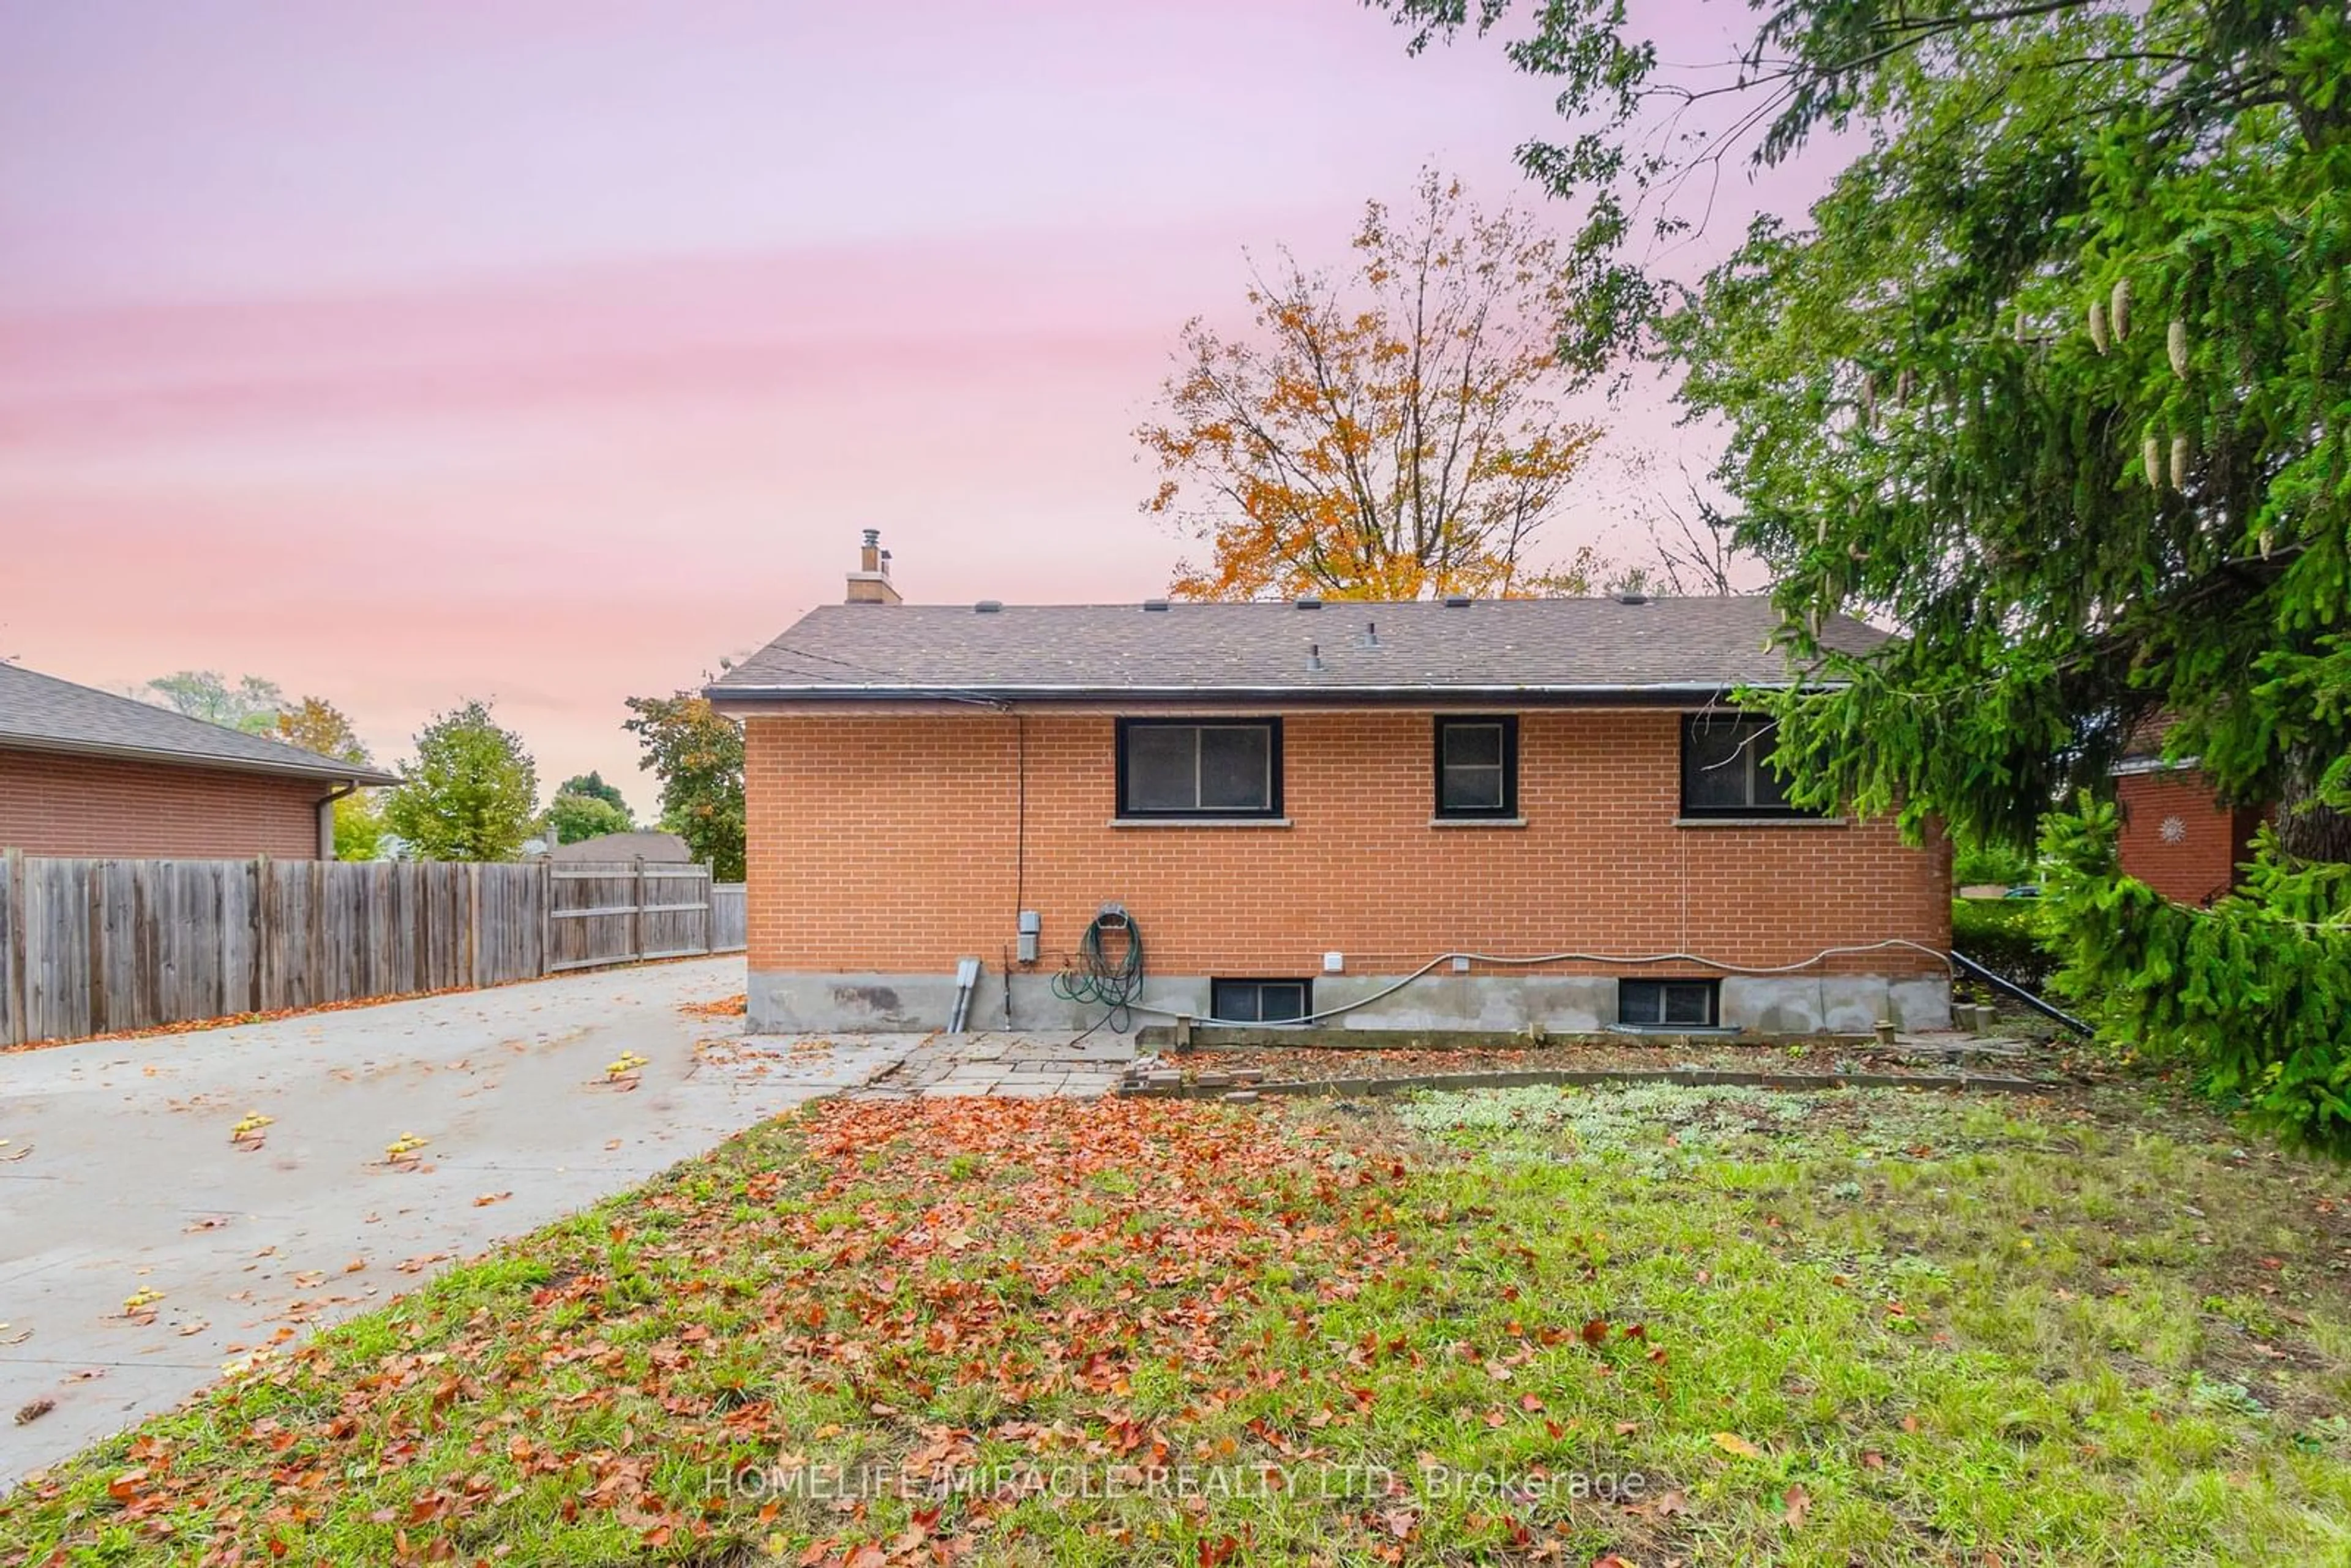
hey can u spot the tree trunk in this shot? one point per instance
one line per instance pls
(2308, 829)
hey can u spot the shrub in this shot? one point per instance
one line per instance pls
(2254, 993)
(2005, 936)
(1972, 863)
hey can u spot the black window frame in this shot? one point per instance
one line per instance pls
(1509, 809)
(1663, 986)
(1219, 992)
(1270, 811)
(1757, 757)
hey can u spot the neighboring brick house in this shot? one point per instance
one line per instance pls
(85, 772)
(1300, 809)
(2178, 836)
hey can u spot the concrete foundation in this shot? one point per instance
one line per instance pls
(1835, 1004)
(789, 1003)
(1562, 1004)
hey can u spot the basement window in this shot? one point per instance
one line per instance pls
(1669, 1004)
(1184, 767)
(1727, 769)
(1260, 1001)
(1478, 767)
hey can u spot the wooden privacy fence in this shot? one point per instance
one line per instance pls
(91, 947)
(730, 917)
(605, 912)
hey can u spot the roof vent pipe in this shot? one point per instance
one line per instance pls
(1370, 637)
(1313, 656)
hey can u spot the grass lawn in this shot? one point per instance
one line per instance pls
(1656, 1325)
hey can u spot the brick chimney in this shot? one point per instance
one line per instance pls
(870, 583)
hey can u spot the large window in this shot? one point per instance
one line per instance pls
(1260, 1001)
(1478, 767)
(1189, 767)
(1727, 769)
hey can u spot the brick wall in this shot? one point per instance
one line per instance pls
(59, 805)
(889, 844)
(2179, 839)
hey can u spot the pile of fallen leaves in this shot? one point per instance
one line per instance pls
(977, 1296)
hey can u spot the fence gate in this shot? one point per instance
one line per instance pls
(618, 912)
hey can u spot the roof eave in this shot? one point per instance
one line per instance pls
(750, 698)
(328, 771)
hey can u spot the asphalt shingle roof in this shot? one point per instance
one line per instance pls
(1567, 648)
(41, 712)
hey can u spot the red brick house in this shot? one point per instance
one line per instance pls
(1477, 814)
(2178, 836)
(85, 772)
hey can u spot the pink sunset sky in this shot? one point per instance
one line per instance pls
(552, 352)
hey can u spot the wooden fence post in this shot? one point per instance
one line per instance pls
(265, 932)
(315, 950)
(224, 998)
(14, 1026)
(637, 913)
(473, 922)
(547, 916)
(93, 890)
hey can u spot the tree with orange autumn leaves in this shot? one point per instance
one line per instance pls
(1396, 436)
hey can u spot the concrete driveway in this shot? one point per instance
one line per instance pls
(120, 1175)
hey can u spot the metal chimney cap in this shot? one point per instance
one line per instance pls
(873, 536)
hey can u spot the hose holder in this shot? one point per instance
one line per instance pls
(1107, 969)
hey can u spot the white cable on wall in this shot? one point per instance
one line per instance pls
(1390, 991)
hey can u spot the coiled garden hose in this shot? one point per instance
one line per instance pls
(1098, 979)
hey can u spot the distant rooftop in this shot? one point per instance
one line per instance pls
(1565, 650)
(41, 712)
(648, 844)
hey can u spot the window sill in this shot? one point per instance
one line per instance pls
(1762, 822)
(1199, 822)
(1477, 821)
